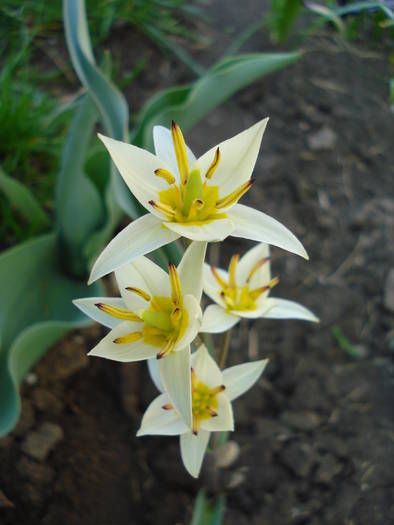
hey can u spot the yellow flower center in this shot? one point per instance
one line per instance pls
(164, 321)
(204, 401)
(241, 298)
(193, 200)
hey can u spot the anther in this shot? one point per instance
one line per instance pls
(232, 268)
(129, 338)
(118, 313)
(166, 175)
(218, 277)
(138, 291)
(176, 291)
(180, 151)
(234, 196)
(163, 208)
(167, 406)
(256, 267)
(215, 391)
(213, 165)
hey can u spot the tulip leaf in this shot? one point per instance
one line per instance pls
(110, 102)
(35, 311)
(23, 200)
(187, 105)
(80, 210)
(206, 511)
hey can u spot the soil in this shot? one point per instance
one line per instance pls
(314, 440)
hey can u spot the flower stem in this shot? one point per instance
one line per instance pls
(224, 349)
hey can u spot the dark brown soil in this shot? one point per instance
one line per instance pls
(316, 435)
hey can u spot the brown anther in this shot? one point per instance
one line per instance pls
(211, 411)
(167, 406)
(213, 165)
(256, 267)
(216, 390)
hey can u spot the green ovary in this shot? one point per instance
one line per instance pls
(160, 324)
(194, 202)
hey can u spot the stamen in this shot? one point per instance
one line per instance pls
(256, 267)
(232, 268)
(167, 348)
(254, 294)
(129, 338)
(176, 291)
(234, 196)
(198, 204)
(118, 313)
(163, 208)
(167, 406)
(138, 291)
(180, 152)
(176, 316)
(227, 299)
(216, 390)
(211, 411)
(196, 426)
(213, 165)
(166, 175)
(218, 277)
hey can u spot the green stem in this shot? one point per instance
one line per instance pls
(224, 349)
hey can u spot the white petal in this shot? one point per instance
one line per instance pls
(124, 353)
(190, 269)
(158, 421)
(145, 274)
(138, 238)
(224, 420)
(217, 319)
(128, 275)
(153, 368)
(216, 230)
(257, 226)
(246, 263)
(284, 309)
(137, 167)
(206, 368)
(88, 307)
(164, 148)
(193, 450)
(238, 379)
(195, 316)
(211, 286)
(238, 157)
(176, 378)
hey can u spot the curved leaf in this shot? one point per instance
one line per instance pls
(189, 104)
(35, 311)
(22, 199)
(79, 207)
(110, 102)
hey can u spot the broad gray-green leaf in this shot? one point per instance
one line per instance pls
(80, 210)
(23, 200)
(35, 310)
(187, 105)
(110, 102)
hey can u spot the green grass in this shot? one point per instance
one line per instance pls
(33, 122)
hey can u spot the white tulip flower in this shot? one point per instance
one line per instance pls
(243, 291)
(212, 393)
(195, 199)
(158, 315)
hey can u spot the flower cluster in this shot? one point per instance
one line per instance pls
(158, 315)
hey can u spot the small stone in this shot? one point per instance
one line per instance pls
(323, 139)
(31, 379)
(299, 458)
(304, 420)
(388, 297)
(5, 503)
(45, 401)
(39, 443)
(226, 455)
(68, 359)
(329, 467)
(35, 472)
